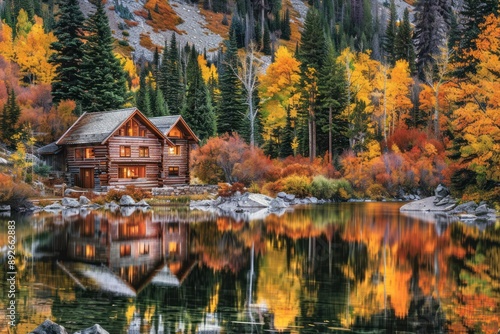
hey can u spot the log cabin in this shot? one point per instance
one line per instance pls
(123, 147)
(176, 157)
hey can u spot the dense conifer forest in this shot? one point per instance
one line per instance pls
(359, 97)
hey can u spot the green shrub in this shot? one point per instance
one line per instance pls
(123, 43)
(300, 186)
(42, 170)
(336, 189)
(376, 192)
(321, 187)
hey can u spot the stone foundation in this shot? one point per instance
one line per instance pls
(185, 190)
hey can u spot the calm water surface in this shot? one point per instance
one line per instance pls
(357, 267)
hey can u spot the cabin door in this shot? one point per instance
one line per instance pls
(87, 178)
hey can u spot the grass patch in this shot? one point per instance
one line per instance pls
(214, 22)
(160, 16)
(146, 42)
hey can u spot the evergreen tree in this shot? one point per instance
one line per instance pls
(142, 99)
(170, 79)
(312, 54)
(158, 106)
(332, 88)
(286, 31)
(472, 15)
(403, 44)
(9, 118)
(285, 149)
(238, 30)
(266, 41)
(68, 52)
(105, 81)
(431, 31)
(7, 15)
(390, 35)
(198, 112)
(231, 107)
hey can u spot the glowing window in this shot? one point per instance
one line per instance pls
(144, 151)
(125, 151)
(174, 150)
(125, 250)
(131, 172)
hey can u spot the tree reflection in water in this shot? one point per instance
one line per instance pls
(323, 268)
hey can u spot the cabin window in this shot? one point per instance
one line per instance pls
(144, 151)
(78, 250)
(173, 171)
(174, 150)
(125, 151)
(175, 133)
(89, 153)
(125, 250)
(132, 129)
(173, 247)
(143, 248)
(89, 251)
(131, 172)
(78, 154)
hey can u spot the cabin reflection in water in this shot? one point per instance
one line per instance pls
(124, 252)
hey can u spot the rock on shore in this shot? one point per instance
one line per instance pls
(50, 327)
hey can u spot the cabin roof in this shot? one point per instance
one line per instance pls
(51, 148)
(98, 127)
(167, 123)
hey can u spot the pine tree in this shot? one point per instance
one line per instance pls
(473, 15)
(286, 31)
(285, 149)
(237, 28)
(431, 30)
(231, 107)
(332, 90)
(266, 41)
(68, 55)
(143, 100)
(198, 112)
(170, 77)
(158, 106)
(403, 44)
(390, 35)
(312, 54)
(9, 117)
(103, 76)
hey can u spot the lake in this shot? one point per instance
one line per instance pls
(334, 268)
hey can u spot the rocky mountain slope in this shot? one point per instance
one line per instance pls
(202, 28)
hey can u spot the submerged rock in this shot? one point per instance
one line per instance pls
(70, 202)
(96, 329)
(49, 327)
(84, 200)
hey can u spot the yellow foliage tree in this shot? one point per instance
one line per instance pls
(277, 90)
(6, 42)
(477, 118)
(398, 94)
(33, 52)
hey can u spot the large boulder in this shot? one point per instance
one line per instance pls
(70, 202)
(481, 210)
(5, 207)
(440, 193)
(96, 329)
(49, 327)
(277, 204)
(84, 200)
(126, 200)
(468, 207)
(142, 202)
(54, 206)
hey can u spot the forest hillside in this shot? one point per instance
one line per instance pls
(343, 98)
